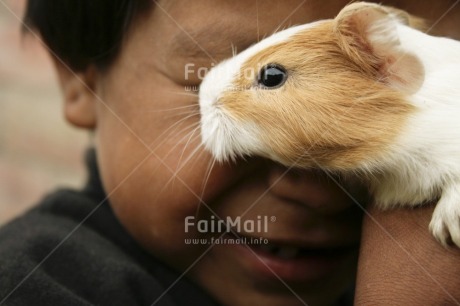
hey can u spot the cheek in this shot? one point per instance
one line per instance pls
(153, 169)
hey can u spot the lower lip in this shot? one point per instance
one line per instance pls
(302, 269)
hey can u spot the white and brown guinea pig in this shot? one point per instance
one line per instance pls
(362, 95)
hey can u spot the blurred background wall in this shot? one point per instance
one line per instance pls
(39, 151)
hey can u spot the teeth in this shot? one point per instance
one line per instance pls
(269, 248)
(284, 252)
(287, 252)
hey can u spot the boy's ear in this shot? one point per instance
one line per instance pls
(79, 98)
(367, 33)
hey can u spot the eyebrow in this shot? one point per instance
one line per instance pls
(207, 43)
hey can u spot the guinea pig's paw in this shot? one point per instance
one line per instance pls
(445, 223)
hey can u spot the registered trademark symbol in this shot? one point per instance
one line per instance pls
(272, 218)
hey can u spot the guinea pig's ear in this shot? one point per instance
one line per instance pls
(367, 34)
(407, 19)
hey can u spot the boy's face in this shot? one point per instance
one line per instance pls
(146, 137)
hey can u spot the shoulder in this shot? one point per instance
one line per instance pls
(70, 250)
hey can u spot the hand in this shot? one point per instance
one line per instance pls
(402, 264)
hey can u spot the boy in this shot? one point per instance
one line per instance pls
(125, 238)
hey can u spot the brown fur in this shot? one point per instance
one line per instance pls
(335, 108)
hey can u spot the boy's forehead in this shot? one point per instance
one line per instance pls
(210, 28)
(203, 41)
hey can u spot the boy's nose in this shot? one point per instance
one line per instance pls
(314, 189)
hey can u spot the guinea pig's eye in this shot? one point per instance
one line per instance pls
(272, 76)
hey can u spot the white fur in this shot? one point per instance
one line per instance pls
(424, 163)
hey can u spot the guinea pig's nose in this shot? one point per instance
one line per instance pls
(313, 189)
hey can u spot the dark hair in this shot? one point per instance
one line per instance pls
(84, 32)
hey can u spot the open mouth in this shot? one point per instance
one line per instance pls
(291, 252)
(288, 252)
(294, 263)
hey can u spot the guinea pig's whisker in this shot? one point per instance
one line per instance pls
(163, 139)
(174, 174)
(188, 135)
(208, 175)
(193, 112)
(186, 113)
(192, 137)
(198, 157)
(165, 186)
(189, 129)
(172, 109)
(185, 93)
(170, 132)
(234, 49)
(172, 129)
(171, 180)
(209, 168)
(174, 134)
(178, 118)
(257, 20)
(196, 154)
(186, 161)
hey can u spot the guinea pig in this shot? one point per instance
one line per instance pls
(363, 95)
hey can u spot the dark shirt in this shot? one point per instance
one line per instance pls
(71, 250)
